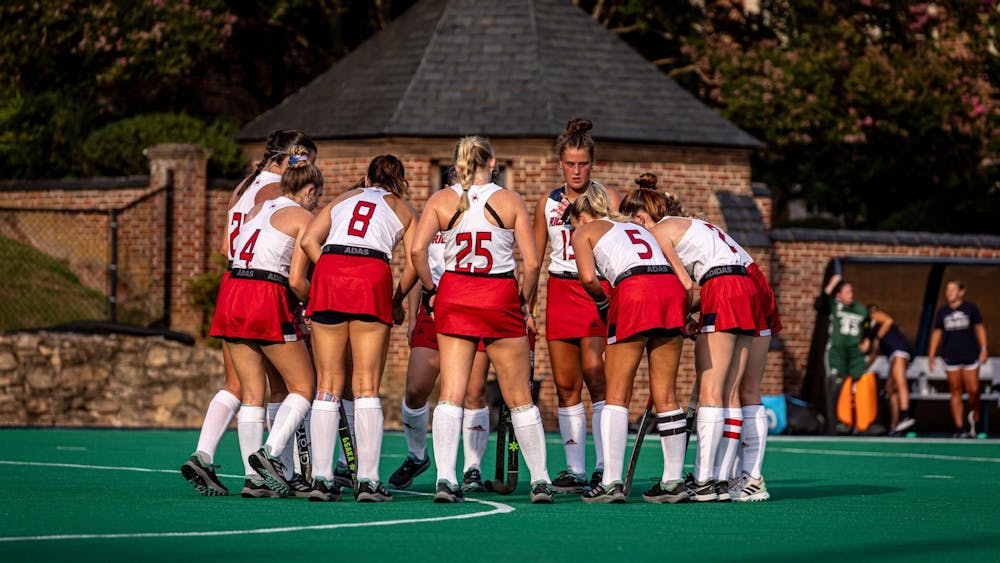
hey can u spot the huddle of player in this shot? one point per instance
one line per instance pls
(623, 279)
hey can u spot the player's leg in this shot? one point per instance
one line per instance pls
(199, 469)
(970, 381)
(330, 349)
(664, 360)
(368, 349)
(421, 374)
(457, 357)
(623, 359)
(592, 360)
(955, 386)
(750, 485)
(509, 357)
(564, 356)
(475, 425)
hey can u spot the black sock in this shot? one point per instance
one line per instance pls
(904, 414)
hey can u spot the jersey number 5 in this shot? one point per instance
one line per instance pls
(363, 213)
(633, 235)
(469, 242)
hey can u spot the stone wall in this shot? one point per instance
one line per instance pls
(62, 379)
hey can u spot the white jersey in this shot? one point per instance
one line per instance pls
(260, 246)
(365, 221)
(238, 212)
(561, 259)
(475, 245)
(435, 257)
(705, 246)
(627, 246)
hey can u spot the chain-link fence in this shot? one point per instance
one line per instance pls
(98, 264)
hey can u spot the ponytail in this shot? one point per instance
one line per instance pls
(471, 154)
(275, 150)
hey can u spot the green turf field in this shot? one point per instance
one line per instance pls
(107, 495)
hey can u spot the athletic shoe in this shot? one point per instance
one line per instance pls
(342, 477)
(202, 476)
(605, 494)
(671, 492)
(472, 481)
(372, 491)
(403, 477)
(448, 493)
(568, 482)
(904, 424)
(541, 492)
(271, 470)
(722, 490)
(700, 492)
(300, 487)
(595, 478)
(753, 490)
(256, 488)
(960, 434)
(324, 491)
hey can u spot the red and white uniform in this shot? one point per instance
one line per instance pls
(245, 203)
(353, 277)
(734, 295)
(569, 310)
(256, 303)
(645, 293)
(478, 294)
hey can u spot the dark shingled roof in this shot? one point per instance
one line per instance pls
(902, 238)
(743, 220)
(502, 68)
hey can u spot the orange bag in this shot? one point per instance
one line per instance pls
(857, 404)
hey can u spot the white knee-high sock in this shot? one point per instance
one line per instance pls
(595, 425)
(531, 437)
(673, 439)
(369, 425)
(447, 431)
(614, 428)
(290, 415)
(323, 427)
(415, 429)
(219, 415)
(729, 445)
(754, 439)
(475, 433)
(709, 433)
(287, 457)
(250, 426)
(349, 412)
(573, 428)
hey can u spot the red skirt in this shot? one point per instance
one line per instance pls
(352, 285)
(729, 303)
(254, 310)
(769, 322)
(424, 334)
(478, 306)
(646, 302)
(570, 311)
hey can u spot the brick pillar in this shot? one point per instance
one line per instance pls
(189, 164)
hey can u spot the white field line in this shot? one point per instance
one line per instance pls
(497, 508)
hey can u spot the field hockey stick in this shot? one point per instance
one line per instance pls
(347, 443)
(640, 435)
(511, 449)
(305, 459)
(691, 411)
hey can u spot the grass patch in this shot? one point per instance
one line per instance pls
(39, 290)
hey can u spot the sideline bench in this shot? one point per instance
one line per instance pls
(927, 385)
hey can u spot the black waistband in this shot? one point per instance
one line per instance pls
(355, 251)
(664, 269)
(262, 275)
(570, 275)
(509, 274)
(733, 270)
(229, 265)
